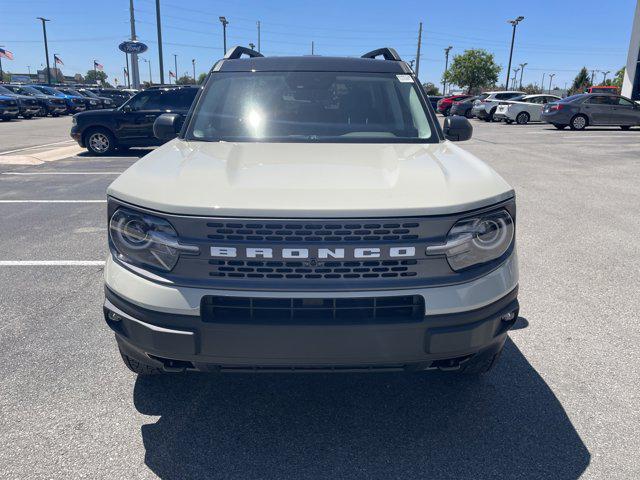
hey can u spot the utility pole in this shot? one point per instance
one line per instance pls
(175, 66)
(224, 22)
(159, 27)
(258, 25)
(593, 73)
(542, 84)
(134, 56)
(604, 76)
(514, 23)
(551, 75)
(446, 67)
(193, 64)
(522, 65)
(412, 62)
(312, 49)
(418, 52)
(148, 62)
(46, 46)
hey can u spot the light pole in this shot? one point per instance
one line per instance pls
(446, 67)
(551, 75)
(522, 65)
(148, 62)
(46, 46)
(604, 76)
(258, 25)
(193, 64)
(514, 23)
(515, 75)
(135, 72)
(252, 46)
(542, 84)
(224, 22)
(159, 28)
(175, 66)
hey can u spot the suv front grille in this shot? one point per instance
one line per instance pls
(303, 270)
(223, 309)
(312, 232)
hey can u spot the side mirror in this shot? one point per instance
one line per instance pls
(167, 126)
(457, 128)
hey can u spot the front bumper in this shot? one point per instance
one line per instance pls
(162, 324)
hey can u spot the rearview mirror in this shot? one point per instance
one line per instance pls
(457, 128)
(167, 126)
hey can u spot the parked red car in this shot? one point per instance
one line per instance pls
(444, 105)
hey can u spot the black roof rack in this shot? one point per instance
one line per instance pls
(237, 51)
(386, 52)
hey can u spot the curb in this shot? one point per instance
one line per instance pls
(41, 157)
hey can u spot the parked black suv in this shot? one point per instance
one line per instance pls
(130, 125)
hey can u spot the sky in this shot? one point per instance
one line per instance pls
(556, 36)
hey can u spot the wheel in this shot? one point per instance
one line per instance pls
(6, 119)
(625, 127)
(522, 118)
(468, 114)
(139, 367)
(559, 126)
(490, 117)
(482, 363)
(100, 141)
(27, 117)
(508, 121)
(55, 114)
(447, 112)
(578, 122)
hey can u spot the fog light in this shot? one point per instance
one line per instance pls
(507, 317)
(114, 317)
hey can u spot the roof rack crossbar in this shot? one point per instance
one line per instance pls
(237, 51)
(386, 52)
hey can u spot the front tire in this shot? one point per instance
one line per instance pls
(522, 118)
(578, 122)
(100, 141)
(508, 121)
(559, 126)
(468, 114)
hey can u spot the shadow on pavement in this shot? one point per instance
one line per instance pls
(130, 152)
(508, 424)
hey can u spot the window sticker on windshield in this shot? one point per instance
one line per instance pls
(405, 78)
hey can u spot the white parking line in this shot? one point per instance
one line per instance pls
(60, 173)
(53, 201)
(51, 263)
(36, 147)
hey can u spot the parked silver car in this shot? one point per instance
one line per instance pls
(523, 110)
(584, 109)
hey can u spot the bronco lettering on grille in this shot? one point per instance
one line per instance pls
(319, 253)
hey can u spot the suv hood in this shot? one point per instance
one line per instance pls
(318, 180)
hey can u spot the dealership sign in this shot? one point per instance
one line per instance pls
(133, 46)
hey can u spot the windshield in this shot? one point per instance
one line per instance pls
(48, 90)
(71, 91)
(5, 91)
(87, 93)
(25, 90)
(311, 106)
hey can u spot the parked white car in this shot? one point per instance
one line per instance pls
(487, 103)
(524, 109)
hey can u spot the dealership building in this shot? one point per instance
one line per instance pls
(631, 85)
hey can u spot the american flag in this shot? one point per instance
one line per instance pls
(57, 60)
(171, 74)
(6, 54)
(97, 65)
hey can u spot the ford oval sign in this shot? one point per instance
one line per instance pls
(133, 46)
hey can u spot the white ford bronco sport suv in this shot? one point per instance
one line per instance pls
(311, 215)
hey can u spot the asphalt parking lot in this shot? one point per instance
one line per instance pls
(562, 404)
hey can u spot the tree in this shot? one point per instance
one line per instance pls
(581, 82)
(619, 78)
(431, 89)
(473, 69)
(531, 89)
(201, 78)
(96, 76)
(184, 80)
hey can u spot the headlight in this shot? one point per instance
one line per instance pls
(93, 102)
(476, 240)
(74, 120)
(146, 240)
(108, 102)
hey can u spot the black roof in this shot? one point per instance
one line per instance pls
(313, 63)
